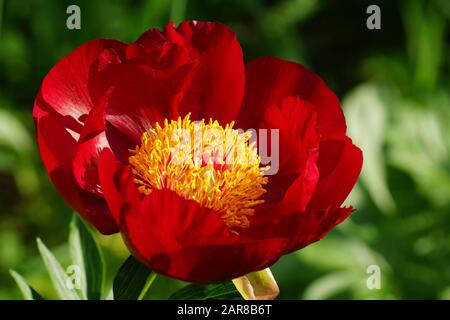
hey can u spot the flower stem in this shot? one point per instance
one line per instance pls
(151, 277)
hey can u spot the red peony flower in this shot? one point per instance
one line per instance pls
(117, 126)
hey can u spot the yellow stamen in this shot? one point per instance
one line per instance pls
(215, 166)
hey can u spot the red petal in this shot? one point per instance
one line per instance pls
(164, 56)
(337, 177)
(57, 151)
(114, 68)
(291, 188)
(85, 163)
(296, 121)
(147, 96)
(64, 89)
(92, 141)
(181, 239)
(299, 229)
(269, 80)
(100, 81)
(309, 227)
(61, 108)
(218, 84)
(109, 170)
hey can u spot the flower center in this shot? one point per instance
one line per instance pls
(215, 166)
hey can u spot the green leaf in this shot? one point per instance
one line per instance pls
(86, 254)
(366, 110)
(330, 286)
(13, 133)
(225, 290)
(28, 292)
(131, 280)
(57, 274)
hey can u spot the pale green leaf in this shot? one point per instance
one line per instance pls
(28, 292)
(366, 114)
(58, 276)
(86, 254)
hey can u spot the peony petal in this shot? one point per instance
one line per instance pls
(217, 86)
(270, 80)
(162, 56)
(57, 151)
(296, 121)
(178, 238)
(92, 141)
(109, 172)
(61, 108)
(338, 177)
(291, 188)
(85, 163)
(308, 227)
(146, 96)
(64, 89)
(300, 228)
(137, 65)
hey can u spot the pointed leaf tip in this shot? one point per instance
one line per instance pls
(57, 274)
(27, 291)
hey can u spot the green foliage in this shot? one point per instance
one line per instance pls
(366, 114)
(57, 274)
(131, 280)
(393, 84)
(28, 292)
(86, 254)
(225, 290)
(84, 278)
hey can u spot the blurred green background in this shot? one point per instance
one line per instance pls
(394, 86)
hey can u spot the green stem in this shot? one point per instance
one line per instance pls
(151, 277)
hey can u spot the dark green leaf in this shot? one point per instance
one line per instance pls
(225, 290)
(28, 292)
(130, 280)
(86, 254)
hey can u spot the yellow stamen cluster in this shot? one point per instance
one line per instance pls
(215, 166)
